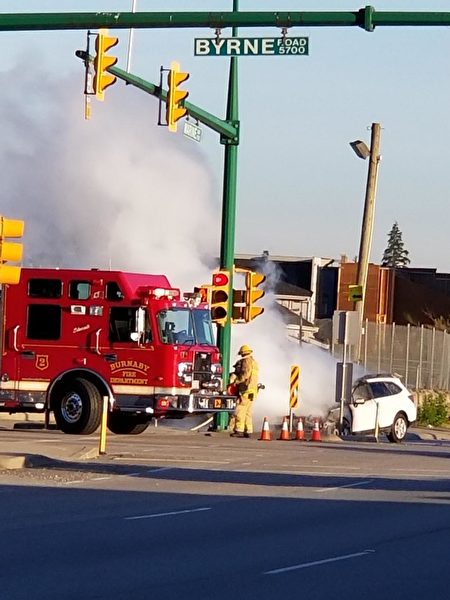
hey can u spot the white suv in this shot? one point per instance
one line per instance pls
(381, 398)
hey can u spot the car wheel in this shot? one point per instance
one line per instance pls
(398, 430)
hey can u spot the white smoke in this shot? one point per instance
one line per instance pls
(275, 354)
(119, 192)
(113, 192)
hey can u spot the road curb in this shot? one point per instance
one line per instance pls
(12, 461)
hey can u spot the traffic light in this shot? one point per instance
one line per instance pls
(355, 293)
(103, 79)
(220, 295)
(253, 294)
(10, 251)
(174, 109)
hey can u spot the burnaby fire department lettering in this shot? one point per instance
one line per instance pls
(129, 372)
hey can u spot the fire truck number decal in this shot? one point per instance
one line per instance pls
(42, 362)
(129, 371)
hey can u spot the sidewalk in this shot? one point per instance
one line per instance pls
(22, 453)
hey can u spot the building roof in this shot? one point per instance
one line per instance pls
(282, 288)
(289, 317)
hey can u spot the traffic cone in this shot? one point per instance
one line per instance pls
(284, 435)
(266, 435)
(300, 433)
(315, 436)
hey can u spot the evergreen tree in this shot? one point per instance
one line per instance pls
(395, 254)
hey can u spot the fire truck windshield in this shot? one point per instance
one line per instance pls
(185, 326)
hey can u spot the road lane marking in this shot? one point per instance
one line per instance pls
(340, 487)
(188, 460)
(318, 562)
(167, 514)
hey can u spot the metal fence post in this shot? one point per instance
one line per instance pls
(391, 359)
(408, 329)
(419, 383)
(379, 348)
(366, 338)
(448, 360)
(441, 370)
(433, 341)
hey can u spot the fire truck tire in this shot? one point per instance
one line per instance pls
(125, 424)
(78, 408)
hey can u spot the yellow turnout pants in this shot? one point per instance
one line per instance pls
(244, 422)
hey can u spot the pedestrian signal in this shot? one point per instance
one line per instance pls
(102, 62)
(204, 292)
(10, 251)
(253, 280)
(220, 297)
(175, 98)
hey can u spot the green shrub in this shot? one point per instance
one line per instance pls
(433, 410)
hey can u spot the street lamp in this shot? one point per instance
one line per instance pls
(362, 151)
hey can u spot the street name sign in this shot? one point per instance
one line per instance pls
(192, 131)
(282, 46)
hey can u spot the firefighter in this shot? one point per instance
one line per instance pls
(245, 378)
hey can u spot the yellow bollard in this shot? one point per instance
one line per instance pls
(102, 448)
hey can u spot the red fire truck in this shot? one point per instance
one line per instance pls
(71, 337)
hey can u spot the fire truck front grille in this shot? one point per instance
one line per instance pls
(202, 366)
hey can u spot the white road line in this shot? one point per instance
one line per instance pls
(167, 514)
(348, 485)
(188, 460)
(318, 562)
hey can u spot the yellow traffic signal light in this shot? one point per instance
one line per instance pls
(220, 295)
(103, 79)
(174, 109)
(10, 251)
(253, 294)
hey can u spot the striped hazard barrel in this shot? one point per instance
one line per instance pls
(293, 396)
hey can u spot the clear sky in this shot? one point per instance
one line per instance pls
(300, 186)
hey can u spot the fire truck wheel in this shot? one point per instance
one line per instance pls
(126, 424)
(78, 408)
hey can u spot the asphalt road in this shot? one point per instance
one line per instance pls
(172, 515)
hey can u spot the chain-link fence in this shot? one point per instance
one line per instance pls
(420, 355)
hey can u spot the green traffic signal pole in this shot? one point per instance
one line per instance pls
(367, 18)
(229, 206)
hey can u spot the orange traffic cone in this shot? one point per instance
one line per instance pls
(266, 435)
(284, 435)
(315, 436)
(300, 433)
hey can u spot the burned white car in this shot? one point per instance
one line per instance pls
(378, 399)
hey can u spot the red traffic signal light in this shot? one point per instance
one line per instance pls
(220, 278)
(220, 297)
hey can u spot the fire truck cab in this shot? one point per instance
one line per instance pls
(71, 337)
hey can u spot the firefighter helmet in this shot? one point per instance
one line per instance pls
(244, 350)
